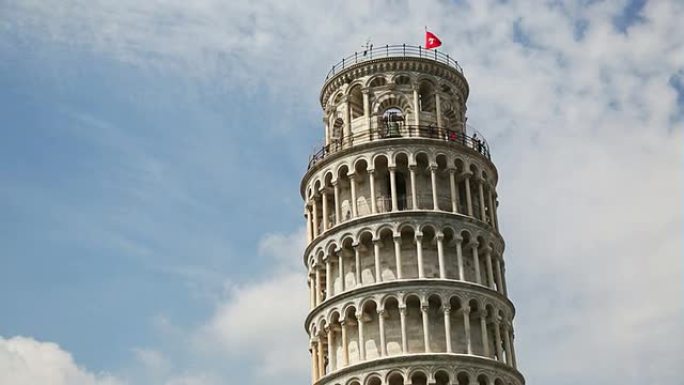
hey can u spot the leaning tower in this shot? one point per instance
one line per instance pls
(405, 260)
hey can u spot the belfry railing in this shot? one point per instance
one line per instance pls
(390, 132)
(402, 50)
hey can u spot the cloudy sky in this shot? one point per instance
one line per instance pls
(151, 151)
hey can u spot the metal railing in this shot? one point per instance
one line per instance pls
(402, 50)
(458, 137)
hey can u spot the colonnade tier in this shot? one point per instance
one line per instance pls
(416, 317)
(391, 178)
(424, 369)
(476, 297)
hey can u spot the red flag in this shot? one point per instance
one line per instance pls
(431, 41)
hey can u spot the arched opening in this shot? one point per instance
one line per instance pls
(426, 96)
(395, 379)
(337, 136)
(463, 378)
(430, 258)
(383, 199)
(418, 378)
(351, 324)
(423, 178)
(388, 265)
(443, 184)
(476, 328)
(482, 380)
(400, 185)
(402, 170)
(402, 80)
(348, 263)
(409, 260)
(344, 188)
(414, 325)
(374, 381)
(393, 121)
(362, 188)
(442, 378)
(355, 102)
(392, 327)
(450, 257)
(437, 331)
(458, 337)
(377, 82)
(371, 330)
(367, 258)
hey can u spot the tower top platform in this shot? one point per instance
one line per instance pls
(393, 51)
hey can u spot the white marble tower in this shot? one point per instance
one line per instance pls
(405, 260)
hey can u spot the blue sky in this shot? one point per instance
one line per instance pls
(152, 153)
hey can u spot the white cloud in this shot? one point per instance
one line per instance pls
(263, 321)
(25, 361)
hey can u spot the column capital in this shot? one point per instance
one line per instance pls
(396, 237)
(473, 244)
(439, 236)
(419, 236)
(466, 310)
(402, 309)
(446, 309)
(381, 312)
(424, 307)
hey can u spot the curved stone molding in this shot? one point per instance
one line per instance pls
(423, 369)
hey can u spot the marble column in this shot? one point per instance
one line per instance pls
(466, 325)
(393, 188)
(402, 320)
(315, 217)
(357, 261)
(459, 257)
(414, 195)
(324, 201)
(433, 179)
(336, 189)
(476, 262)
(469, 199)
(362, 344)
(447, 327)
(440, 255)
(381, 327)
(426, 327)
(452, 189)
(345, 345)
(419, 254)
(352, 184)
(376, 256)
(397, 254)
(371, 181)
